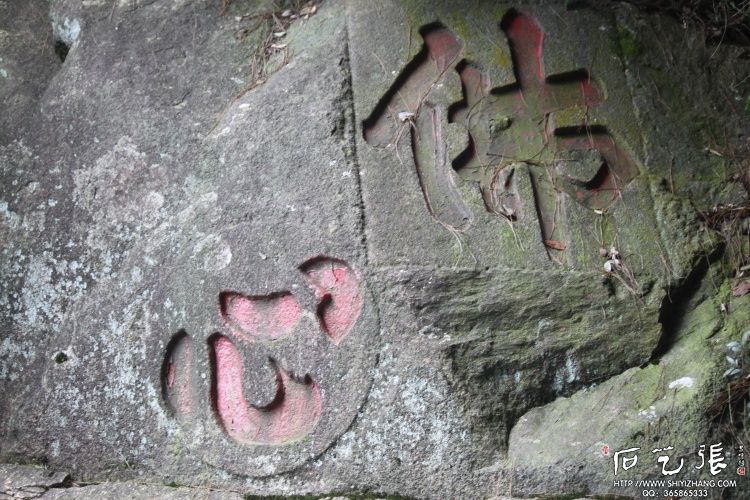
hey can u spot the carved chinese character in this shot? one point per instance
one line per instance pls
(511, 132)
(280, 382)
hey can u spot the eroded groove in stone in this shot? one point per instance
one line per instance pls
(406, 102)
(434, 170)
(340, 298)
(177, 383)
(440, 53)
(292, 414)
(264, 317)
(616, 171)
(501, 196)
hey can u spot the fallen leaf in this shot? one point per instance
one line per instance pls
(554, 244)
(308, 11)
(732, 372)
(740, 288)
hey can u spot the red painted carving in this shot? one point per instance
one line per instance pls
(529, 131)
(265, 320)
(617, 169)
(507, 126)
(265, 317)
(337, 287)
(292, 414)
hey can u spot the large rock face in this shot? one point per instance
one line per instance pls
(439, 252)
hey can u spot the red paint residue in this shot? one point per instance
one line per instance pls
(293, 413)
(539, 95)
(616, 171)
(442, 48)
(527, 106)
(475, 85)
(592, 95)
(170, 373)
(177, 375)
(337, 287)
(526, 40)
(266, 317)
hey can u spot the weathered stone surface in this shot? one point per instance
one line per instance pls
(489, 239)
(156, 230)
(644, 406)
(378, 269)
(24, 481)
(116, 491)
(17, 481)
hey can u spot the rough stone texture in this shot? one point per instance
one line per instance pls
(642, 401)
(24, 481)
(139, 492)
(290, 289)
(28, 482)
